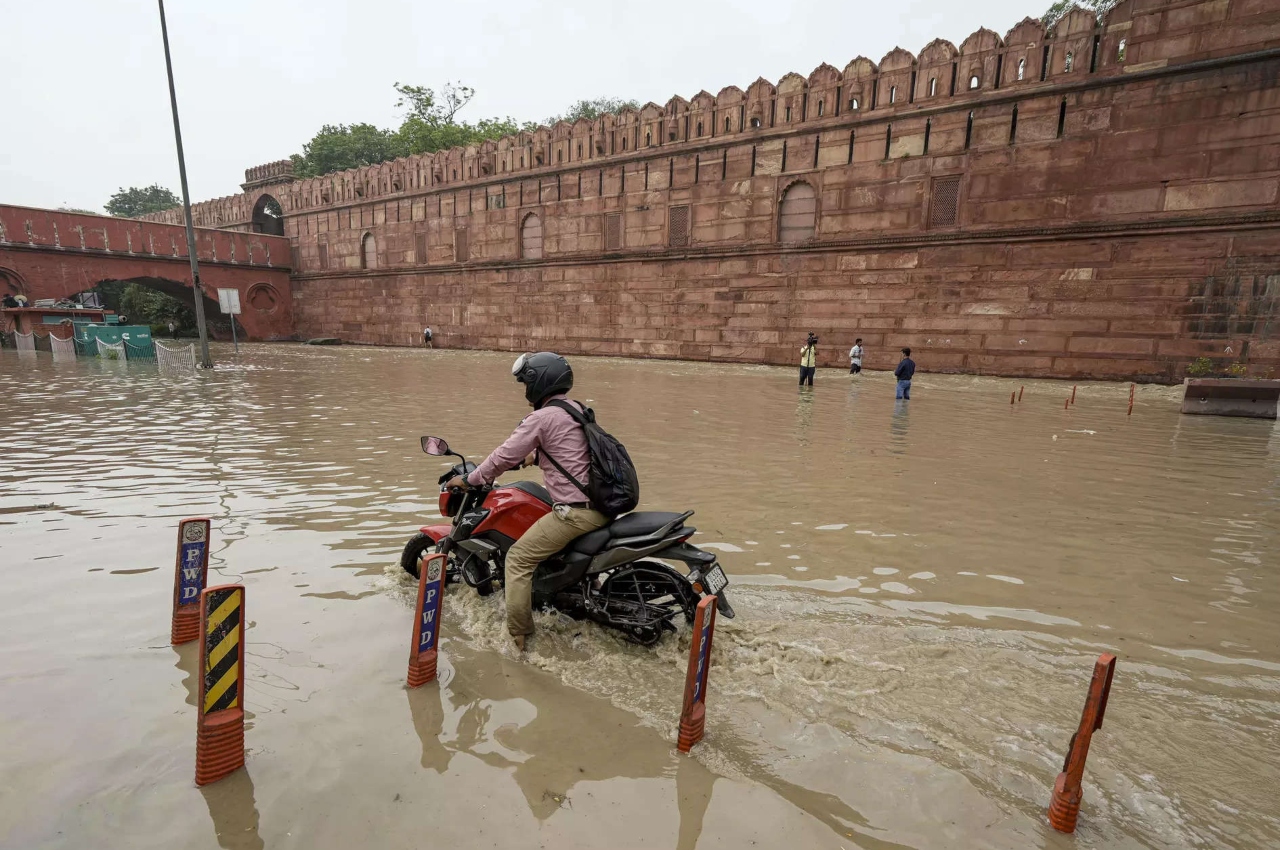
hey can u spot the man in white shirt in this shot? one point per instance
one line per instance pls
(855, 357)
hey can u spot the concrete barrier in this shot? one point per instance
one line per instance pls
(1231, 397)
(693, 715)
(220, 709)
(424, 651)
(190, 571)
(1064, 806)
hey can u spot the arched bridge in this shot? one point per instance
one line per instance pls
(48, 254)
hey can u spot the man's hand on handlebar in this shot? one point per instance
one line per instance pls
(457, 482)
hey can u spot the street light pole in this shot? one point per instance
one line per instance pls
(205, 361)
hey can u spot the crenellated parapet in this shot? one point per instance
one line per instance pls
(1136, 35)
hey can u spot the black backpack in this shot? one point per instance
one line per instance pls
(613, 488)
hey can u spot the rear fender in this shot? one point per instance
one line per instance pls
(691, 555)
(436, 532)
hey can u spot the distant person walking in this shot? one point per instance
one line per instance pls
(855, 357)
(809, 359)
(905, 371)
(173, 331)
(427, 337)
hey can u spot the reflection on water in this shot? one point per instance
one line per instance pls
(919, 609)
(234, 812)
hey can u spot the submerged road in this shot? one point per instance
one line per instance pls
(921, 590)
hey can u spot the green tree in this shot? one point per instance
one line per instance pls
(134, 201)
(430, 123)
(593, 109)
(1060, 7)
(341, 146)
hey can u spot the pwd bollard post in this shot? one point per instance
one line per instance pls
(1012, 395)
(1020, 389)
(1064, 807)
(693, 716)
(424, 652)
(1073, 393)
(220, 724)
(190, 571)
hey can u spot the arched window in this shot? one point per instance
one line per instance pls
(853, 103)
(933, 86)
(974, 82)
(726, 124)
(559, 154)
(1071, 60)
(699, 129)
(1022, 68)
(579, 150)
(624, 143)
(648, 139)
(1121, 49)
(368, 252)
(531, 237)
(893, 94)
(819, 109)
(787, 117)
(268, 217)
(798, 213)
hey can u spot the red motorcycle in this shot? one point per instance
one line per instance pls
(609, 575)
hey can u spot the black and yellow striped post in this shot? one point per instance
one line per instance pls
(220, 727)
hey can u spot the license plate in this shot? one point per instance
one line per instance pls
(715, 580)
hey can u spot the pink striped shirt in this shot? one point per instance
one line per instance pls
(549, 430)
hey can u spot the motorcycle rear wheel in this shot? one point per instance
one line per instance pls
(642, 599)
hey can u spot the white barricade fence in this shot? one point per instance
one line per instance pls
(175, 360)
(63, 349)
(25, 342)
(111, 350)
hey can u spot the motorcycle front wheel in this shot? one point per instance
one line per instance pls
(418, 547)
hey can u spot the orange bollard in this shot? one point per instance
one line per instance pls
(423, 653)
(1012, 396)
(1064, 806)
(1020, 389)
(1066, 403)
(693, 716)
(191, 568)
(220, 720)
(1073, 394)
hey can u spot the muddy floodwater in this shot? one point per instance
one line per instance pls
(921, 589)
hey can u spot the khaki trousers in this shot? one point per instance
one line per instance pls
(544, 538)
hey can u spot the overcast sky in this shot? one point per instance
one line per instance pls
(84, 106)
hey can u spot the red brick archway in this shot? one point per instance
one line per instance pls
(47, 254)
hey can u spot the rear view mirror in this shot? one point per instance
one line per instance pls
(435, 446)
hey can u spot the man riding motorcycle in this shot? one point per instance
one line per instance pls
(546, 433)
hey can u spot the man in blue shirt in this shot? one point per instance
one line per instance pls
(906, 369)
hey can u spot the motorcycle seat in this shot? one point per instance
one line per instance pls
(636, 524)
(639, 523)
(590, 543)
(533, 488)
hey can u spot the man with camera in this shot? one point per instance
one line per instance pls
(809, 359)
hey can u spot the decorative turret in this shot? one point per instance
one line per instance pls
(271, 174)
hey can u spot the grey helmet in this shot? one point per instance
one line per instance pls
(543, 374)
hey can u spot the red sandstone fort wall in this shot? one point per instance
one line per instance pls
(1099, 199)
